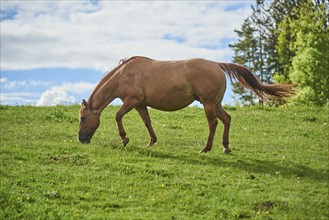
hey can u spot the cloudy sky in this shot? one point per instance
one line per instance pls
(55, 52)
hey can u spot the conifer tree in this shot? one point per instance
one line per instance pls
(244, 51)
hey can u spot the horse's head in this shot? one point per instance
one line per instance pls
(89, 122)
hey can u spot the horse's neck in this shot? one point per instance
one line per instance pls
(103, 95)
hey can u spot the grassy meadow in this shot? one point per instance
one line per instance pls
(278, 168)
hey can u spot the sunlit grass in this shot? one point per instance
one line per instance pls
(278, 168)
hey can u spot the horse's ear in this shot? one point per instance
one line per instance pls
(85, 104)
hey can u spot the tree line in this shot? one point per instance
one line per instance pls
(286, 41)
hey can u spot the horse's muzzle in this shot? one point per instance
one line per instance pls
(84, 139)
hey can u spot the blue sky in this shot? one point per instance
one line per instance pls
(55, 52)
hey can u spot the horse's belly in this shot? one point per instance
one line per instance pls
(170, 102)
(168, 89)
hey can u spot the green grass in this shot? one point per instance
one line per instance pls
(278, 168)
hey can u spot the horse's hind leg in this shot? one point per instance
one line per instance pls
(142, 110)
(226, 119)
(211, 115)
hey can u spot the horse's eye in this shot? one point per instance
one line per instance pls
(82, 118)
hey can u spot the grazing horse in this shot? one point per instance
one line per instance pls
(169, 86)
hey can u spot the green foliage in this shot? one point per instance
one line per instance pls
(310, 65)
(291, 46)
(284, 50)
(256, 47)
(278, 168)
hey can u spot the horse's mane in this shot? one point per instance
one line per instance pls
(109, 75)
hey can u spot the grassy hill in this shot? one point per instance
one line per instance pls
(278, 168)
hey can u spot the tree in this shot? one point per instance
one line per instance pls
(257, 39)
(244, 51)
(310, 65)
(259, 22)
(283, 14)
(287, 41)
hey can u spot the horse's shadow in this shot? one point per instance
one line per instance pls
(253, 167)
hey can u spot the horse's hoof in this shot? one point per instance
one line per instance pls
(125, 142)
(227, 151)
(203, 151)
(152, 142)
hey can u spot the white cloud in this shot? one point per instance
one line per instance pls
(3, 80)
(76, 88)
(64, 94)
(17, 98)
(85, 34)
(55, 97)
(16, 84)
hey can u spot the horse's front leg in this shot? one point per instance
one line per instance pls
(142, 110)
(125, 108)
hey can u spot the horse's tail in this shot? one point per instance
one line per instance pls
(264, 91)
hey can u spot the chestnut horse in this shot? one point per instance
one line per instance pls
(169, 86)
